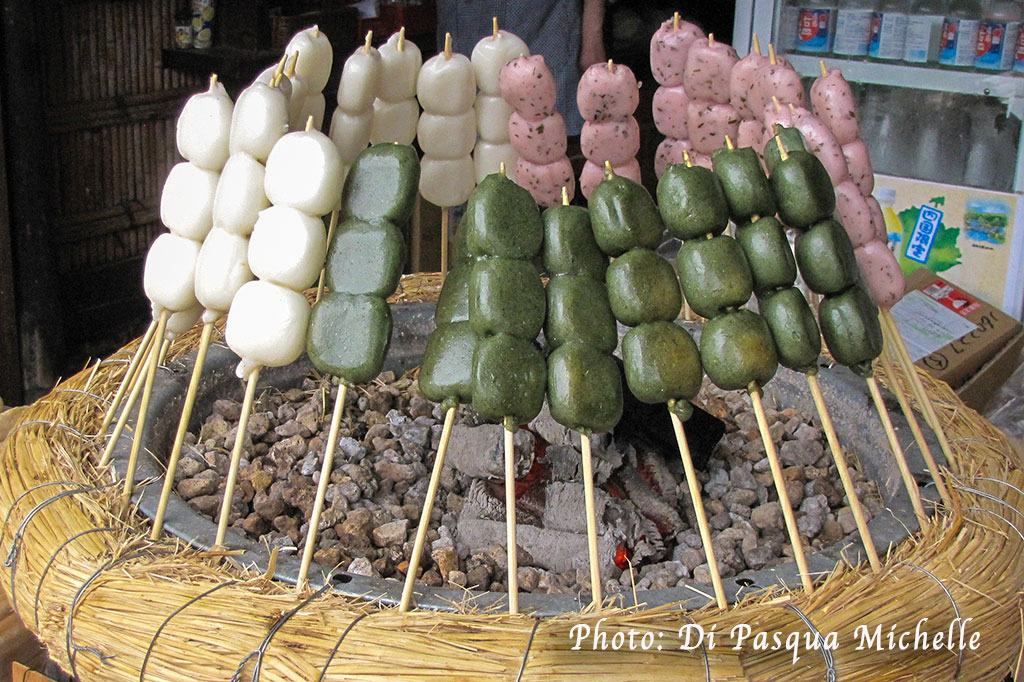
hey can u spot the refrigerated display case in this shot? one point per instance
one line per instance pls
(943, 140)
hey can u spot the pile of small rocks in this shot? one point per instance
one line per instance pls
(388, 439)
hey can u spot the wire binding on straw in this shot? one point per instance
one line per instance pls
(78, 390)
(72, 649)
(19, 498)
(703, 644)
(12, 556)
(1001, 482)
(159, 630)
(826, 653)
(115, 361)
(956, 610)
(53, 557)
(998, 516)
(529, 645)
(337, 645)
(990, 496)
(262, 648)
(50, 422)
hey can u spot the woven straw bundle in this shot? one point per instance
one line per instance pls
(113, 606)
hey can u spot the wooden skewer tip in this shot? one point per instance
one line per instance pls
(611, 65)
(686, 158)
(368, 43)
(756, 42)
(772, 57)
(711, 40)
(728, 143)
(675, 21)
(309, 123)
(783, 154)
(494, 28)
(447, 45)
(291, 67)
(401, 39)
(824, 69)
(565, 195)
(213, 80)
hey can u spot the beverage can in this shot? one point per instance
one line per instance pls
(814, 30)
(1018, 57)
(996, 44)
(958, 46)
(923, 34)
(202, 23)
(888, 35)
(853, 32)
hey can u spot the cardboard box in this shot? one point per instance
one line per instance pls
(979, 390)
(958, 338)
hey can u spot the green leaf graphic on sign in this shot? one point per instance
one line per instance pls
(937, 201)
(944, 253)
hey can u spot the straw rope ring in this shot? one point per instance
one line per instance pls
(115, 594)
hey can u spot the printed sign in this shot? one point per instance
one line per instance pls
(923, 236)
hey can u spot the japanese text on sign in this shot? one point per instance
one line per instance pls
(923, 236)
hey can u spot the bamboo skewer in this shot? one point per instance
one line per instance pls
(510, 520)
(920, 394)
(428, 508)
(588, 496)
(179, 436)
(323, 272)
(897, 451)
(445, 218)
(698, 508)
(140, 424)
(129, 404)
(129, 377)
(416, 238)
(844, 472)
(164, 347)
(236, 456)
(321, 489)
(908, 413)
(756, 43)
(780, 486)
